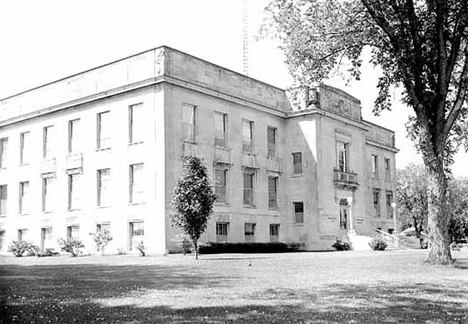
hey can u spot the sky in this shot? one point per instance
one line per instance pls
(42, 41)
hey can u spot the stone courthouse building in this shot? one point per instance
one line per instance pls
(104, 148)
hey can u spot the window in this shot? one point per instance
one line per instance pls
(249, 187)
(46, 237)
(74, 136)
(136, 120)
(375, 167)
(137, 191)
(376, 200)
(222, 231)
(2, 239)
(48, 194)
(342, 153)
(272, 192)
(274, 232)
(298, 212)
(3, 152)
(189, 122)
(3, 199)
(221, 184)
(104, 197)
(297, 163)
(136, 234)
(220, 129)
(103, 130)
(389, 200)
(387, 169)
(24, 197)
(22, 234)
(271, 139)
(247, 136)
(73, 232)
(25, 149)
(102, 227)
(74, 192)
(249, 232)
(47, 144)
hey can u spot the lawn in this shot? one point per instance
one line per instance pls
(333, 287)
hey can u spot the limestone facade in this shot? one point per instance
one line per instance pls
(104, 148)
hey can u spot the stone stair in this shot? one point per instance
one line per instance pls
(408, 242)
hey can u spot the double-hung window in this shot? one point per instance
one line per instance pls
(221, 184)
(137, 191)
(104, 128)
(3, 152)
(247, 136)
(136, 120)
(220, 129)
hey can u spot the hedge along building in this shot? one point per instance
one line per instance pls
(104, 148)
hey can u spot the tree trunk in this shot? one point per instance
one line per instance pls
(438, 240)
(195, 246)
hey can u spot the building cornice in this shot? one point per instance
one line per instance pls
(382, 146)
(329, 114)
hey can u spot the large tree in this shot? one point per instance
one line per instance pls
(421, 47)
(193, 200)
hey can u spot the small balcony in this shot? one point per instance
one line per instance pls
(74, 161)
(345, 180)
(249, 160)
(190, 149)
(222, 155)
(273, 164)
(49, 165)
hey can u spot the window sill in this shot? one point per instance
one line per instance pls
(250, 206)
(23, 164)
(103, 207)
(136, 203)
(299, 224)
(135, 143)
(3, 215)
(103, 149)
(24, 214)
(299, 175)
(276, 209)
(73, 209)
(222, 204)
(189, 141)
(248, 153)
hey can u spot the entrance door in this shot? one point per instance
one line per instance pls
(343, 217)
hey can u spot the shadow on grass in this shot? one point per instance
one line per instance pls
(67, 295)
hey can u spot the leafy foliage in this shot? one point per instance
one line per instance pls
(193, 200)
(276, 247)
(184, 242)
(102, 238)
(378, 244)
(72, 246)
(421, 47)
(340, 245)
(18, 248)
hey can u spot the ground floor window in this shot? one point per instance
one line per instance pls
(46, 237)
(22, 234)
(73, 232)
(274, 232)
(2, 239)
(222, 231)
(103, 227)
(136, 234)
(249, 232)
(298, 212)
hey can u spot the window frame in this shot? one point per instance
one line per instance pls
(24, 156)
(3, 199)
(246, 147)
(296, 213)
(131, 123)
(100, 203)
(251, 173)
(274, 205)
(297, 163)
(221, 142)
(47, 142)
(22, 199)
(225, 180)
(3, 153)
(272, 146)
(342, 146)
(99, 138)
(131, 184)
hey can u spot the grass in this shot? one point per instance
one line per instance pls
(338, 287)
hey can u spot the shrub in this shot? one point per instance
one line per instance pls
(213, 248)
(101, 239)
(141, 247)
(340, 245)
(184, 242)
(18, 248)
(47, 253)
(72, 246)
(378, 244)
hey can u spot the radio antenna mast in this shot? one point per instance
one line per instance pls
(245, 34)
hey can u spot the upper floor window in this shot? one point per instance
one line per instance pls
(103, 130)
(249, 187)
(3, 199)
(25, 148)
(24, 197)
(220, 129)
(298, 212)
(376, 201)
(47, 142)
(221, 184)
(104, 194)
(74, 192)
(247, 136)
(136, 120)
(74, 136)
(375, 166)
(137, 191)
(271, 139)
(387, 168)
(272, 192)
(342, 154)
(297, 163)
(3, 152)
(189, 122)
(48, 196)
